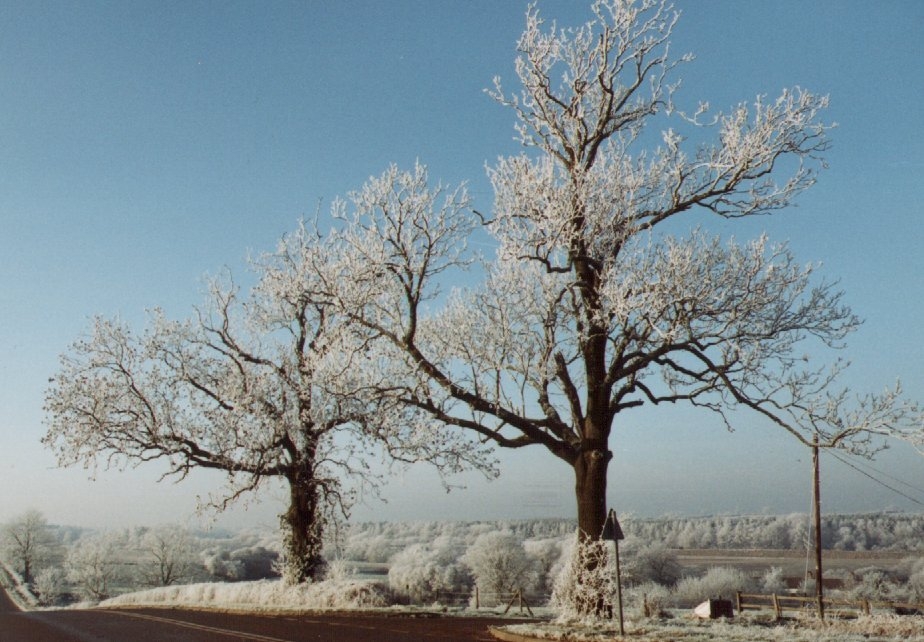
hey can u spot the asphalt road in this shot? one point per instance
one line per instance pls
(167, 625)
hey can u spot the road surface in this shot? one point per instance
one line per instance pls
(167, 625)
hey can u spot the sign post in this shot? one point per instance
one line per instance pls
(612, 530)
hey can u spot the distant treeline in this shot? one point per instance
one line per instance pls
(377, 541)
(860, 532)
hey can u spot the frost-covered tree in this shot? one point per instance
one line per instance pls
(170, 555)
(49, 585)
(28, 544)
(546, 553)
(220, 565)
(605, 294)
(501, 566)
(428, 572)
(92, 566)
(260, 387)
(649, 563)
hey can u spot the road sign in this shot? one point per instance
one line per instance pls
(611, 528)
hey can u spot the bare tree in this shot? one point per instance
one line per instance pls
(604, 294)
(260, 389)
(28, 543)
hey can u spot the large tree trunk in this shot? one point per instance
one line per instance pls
(590, 488)
(303, 525)
(587, 596)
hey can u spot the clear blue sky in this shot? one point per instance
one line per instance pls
(143, 144)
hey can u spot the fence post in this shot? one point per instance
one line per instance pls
(510, 603)
(776, 608)
(738, 601)
(865, 604)
(477, 599)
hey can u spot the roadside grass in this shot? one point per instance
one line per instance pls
(747, 628)
(271, 596)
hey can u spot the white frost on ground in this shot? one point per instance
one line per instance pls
(273, 595)
(685, 628)
(18, 591)
(262, 595)
(354, 594)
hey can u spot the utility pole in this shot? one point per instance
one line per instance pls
(816, 507)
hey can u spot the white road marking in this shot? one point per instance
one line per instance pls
(201, 627)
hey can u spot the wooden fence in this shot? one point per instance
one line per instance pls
(516, 597)
(479, 599)
(779, 603)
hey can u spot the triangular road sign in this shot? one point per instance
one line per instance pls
(611, 528)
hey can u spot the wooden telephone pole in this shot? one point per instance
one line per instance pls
(816, 509)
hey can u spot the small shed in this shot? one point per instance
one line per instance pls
(713, 609)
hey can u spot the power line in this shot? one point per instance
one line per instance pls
(885, 474)
(879, 481)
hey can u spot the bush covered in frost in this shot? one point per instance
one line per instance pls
(546, 554)
(648, 600)
(274, 594)
(424, 573)
(501, 566)
(641, 563)
(49, 586)
(718, 582)
(249, 563)
(773, 581)
(587, 575)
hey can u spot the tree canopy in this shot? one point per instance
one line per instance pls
(259, 387)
